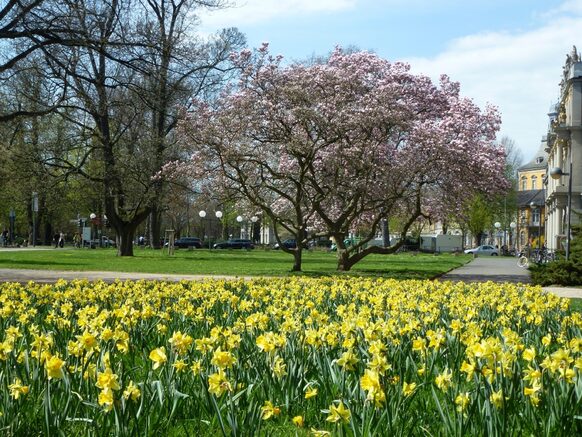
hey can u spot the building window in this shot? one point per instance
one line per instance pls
(523, 183)
(536, 216)
(534, 182)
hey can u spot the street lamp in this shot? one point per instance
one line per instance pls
(92, 216)
(533, 208)
(202, 215)
(557, 173)
(34, 212)
(239, 219)
(512, 225)
(218, 215)
(254, 219)
(497, 227)
(12, 218)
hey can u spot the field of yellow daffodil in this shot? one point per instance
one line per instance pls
(330, 356)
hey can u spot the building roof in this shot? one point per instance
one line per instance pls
(540, 159)
(525, 198)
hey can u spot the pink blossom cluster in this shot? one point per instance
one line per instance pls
(345, 142)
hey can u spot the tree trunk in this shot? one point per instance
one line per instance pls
(385, 233)
(344, 263)
(297, 255)
(125, 237)
(155, 227)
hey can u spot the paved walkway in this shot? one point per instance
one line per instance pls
(501, 269)
(489, 268)
(48, 276)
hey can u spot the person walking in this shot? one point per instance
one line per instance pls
(62, 239)
(77, 240)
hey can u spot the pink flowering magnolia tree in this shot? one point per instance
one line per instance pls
(328, 148)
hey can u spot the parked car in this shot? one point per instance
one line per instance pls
(186, 242)
(105, 242)
(237, 243)
(289, 243)
(483, 250)
(320, 242)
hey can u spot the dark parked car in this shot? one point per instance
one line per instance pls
(321, 242)
(186, 242)
(237, 243)
(289, 243)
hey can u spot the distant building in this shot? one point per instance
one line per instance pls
(565, 147)
(530, 199)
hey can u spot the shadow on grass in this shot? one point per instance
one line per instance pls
(51, 264)
(378, 273)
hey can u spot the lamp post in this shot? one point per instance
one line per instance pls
(202, 215)
(218, 215)
(512, 225)
(557, 173)
(497, 227)
(34, 211)
(254, 220)
(92, 216)
(12, 219)
(239, 220)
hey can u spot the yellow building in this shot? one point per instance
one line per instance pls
(530, 199)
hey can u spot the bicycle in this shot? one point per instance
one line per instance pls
(522, 261)
(540, 256)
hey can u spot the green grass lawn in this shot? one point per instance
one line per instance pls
(576, 305)
(224, 262)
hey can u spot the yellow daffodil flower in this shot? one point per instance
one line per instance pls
(158, 356)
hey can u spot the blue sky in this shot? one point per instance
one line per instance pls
(509, 53)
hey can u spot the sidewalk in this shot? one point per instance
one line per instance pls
(48, 276)
(502, 269)
(489, 268)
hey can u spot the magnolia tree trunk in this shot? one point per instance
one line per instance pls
(297, 255)
(344, 263)
(297, 252)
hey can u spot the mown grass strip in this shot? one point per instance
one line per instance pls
(237, 263)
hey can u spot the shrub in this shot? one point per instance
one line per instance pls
(562, 272)
(557, 273)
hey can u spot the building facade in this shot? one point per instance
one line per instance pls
(530, 200)
(565, 151)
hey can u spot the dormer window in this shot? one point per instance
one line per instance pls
(539, 159)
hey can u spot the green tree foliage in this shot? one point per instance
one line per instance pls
(479, 216)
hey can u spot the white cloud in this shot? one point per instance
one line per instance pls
(517, 71)
(569, 6)
(246, 12)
